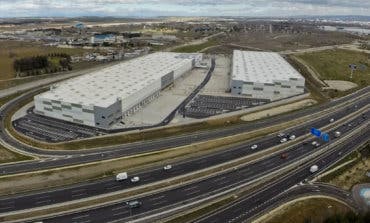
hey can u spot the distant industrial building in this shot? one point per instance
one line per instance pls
(102, 98)
(264, 75)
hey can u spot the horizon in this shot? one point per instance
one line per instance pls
(183, 8)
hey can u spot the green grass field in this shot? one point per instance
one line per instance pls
(11, 50)
(334, 65)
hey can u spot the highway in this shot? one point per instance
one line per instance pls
(212, 185)
(310, 190)
(24, 201)
(245, 209)
(85, 156)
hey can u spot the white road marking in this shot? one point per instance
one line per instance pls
(190, 188)
(81, 216)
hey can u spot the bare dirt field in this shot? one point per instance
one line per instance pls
(278, 110)
(281, 41)
(340, 85)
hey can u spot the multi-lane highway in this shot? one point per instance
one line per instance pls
(245, 209)
(107, 185)
(85, 156)
(224, 181)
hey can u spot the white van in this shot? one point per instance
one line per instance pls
(121, 176)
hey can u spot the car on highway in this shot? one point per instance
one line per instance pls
(331, 120)
(280, 135)
(167, 167)
(284, 156)
(283, 140)
(254, 146)
(316, 144)
(291, 137)
(121, 176)
(337, 134)
(314, 168)
(135, 179)
(134, 204)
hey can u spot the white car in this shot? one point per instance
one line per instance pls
(316, 144)
(283, 140)
(254, 146)
(292, 137)
(135, 179)
(167, 167)
(331, 120)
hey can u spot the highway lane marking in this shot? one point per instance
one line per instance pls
(119, 208)
(81, 216)
(7, 202)
(78, 190)
(219, 179)
(120, 213)
(87, 221)
(158, 203)
(191, 188)
(156, 198)
(45, 201)
(222, 182)
(78, 195)
(193, 192)
(7, 207)
(42, 197)
(112, 188)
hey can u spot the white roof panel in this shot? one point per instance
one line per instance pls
(262, 67)
(103, 87)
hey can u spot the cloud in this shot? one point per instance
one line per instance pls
(22, 8)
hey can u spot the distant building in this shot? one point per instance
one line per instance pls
(264, 75)
(102, 98)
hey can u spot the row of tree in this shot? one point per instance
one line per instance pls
(31, 63)
(36, 65)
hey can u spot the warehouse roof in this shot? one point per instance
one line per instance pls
(103, 87)
(261, 67)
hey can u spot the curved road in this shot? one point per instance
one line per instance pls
(215, 184)
(85, 156)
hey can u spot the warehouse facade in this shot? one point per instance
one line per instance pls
(264, 75)
(102, 98)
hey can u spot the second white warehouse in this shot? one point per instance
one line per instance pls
(264, 75)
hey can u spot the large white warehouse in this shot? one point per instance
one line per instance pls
(102, 98)
(264, 75)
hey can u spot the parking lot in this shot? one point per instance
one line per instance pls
(203, 106)
(52, 130)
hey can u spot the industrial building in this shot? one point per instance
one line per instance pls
(264, 75)
(102, 98)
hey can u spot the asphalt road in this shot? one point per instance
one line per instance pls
(24, 201)
(245, 209)
(85, 156)
(204, 188)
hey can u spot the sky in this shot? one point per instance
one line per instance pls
(150, 8)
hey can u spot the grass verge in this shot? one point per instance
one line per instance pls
(72, 174)
(353, 173)
(312, 210)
